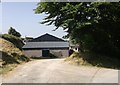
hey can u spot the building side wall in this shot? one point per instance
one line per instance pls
(38, 53)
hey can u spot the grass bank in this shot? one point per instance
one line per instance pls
(10, 56)
(93, 60)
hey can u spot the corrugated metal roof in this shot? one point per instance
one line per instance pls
(46, 45)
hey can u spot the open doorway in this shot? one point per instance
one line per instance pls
(45, 52)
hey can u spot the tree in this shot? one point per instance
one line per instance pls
(93, 25)
(12, 31)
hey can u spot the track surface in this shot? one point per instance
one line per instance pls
(57, 71)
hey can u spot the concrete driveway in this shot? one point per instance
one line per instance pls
(56, 71)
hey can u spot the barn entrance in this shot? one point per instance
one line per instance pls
(45, 53)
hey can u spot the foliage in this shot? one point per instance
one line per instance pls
(13, 32)
(93, 25)
(15, 40)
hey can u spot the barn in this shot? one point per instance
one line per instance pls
(46, 44)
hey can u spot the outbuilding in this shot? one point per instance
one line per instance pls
(44, 45)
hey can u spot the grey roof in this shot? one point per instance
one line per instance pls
(46, 45)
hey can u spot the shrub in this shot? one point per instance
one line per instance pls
(24, 58)
(8, 59)
(20, 58)
(13, 58)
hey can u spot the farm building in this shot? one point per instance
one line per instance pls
(46, 44)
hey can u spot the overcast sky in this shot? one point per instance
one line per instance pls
(20, 15)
